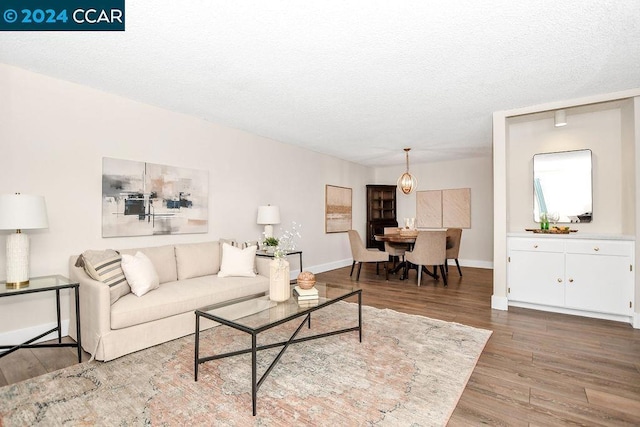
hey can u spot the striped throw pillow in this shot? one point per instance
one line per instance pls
(105, 266)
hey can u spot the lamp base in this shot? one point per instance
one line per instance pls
(17, 260)
(268, 230)
(17, 285)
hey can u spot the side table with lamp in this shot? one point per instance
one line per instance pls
(24, 212)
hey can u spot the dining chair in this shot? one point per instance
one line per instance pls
(430, 249)
(454, 235)
(395, 250)
(361, 254)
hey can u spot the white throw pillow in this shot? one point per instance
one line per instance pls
(237, 262)
(140, 273)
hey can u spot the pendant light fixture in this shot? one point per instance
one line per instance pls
(407, 182)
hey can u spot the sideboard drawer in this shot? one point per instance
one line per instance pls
(536, 245)
(599, 247)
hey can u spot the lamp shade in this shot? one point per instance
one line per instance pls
(268, 215)
(22, 212)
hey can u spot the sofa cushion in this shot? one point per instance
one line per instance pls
(163, 259)
(197, 259)
(182, 296)
(105, 266)
(140, 273)
(237, 262)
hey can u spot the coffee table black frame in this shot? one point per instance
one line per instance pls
(254, 331)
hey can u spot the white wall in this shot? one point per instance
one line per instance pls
(599, 131)
(54, 134)
(476, 249)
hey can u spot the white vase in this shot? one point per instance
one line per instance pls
(279, 289)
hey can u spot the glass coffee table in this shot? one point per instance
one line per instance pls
(257, 313)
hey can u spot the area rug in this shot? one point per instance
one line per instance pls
(408, 370)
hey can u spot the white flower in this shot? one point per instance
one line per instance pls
(286, 243)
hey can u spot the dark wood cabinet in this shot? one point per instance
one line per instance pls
(381, 212)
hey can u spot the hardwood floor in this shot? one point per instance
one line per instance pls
(537, 369)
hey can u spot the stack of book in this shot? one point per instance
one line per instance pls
(306, 297)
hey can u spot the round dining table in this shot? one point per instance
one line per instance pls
(409, 240)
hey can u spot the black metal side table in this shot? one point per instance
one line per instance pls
(263, 253)
(44, 284)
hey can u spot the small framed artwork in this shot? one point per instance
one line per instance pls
(338, 209)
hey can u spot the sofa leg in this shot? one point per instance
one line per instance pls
(352, 265)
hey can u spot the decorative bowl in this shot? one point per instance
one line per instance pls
(306, 280)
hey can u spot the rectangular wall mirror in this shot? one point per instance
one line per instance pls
(562, 186)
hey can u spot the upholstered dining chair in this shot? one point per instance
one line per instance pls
(454, 235)
(361, 254)
(395, 250)
(430, 249)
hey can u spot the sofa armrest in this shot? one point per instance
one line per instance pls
(262, 266)
(95, 308)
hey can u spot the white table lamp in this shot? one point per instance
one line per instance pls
(267, 216)
(20, 212)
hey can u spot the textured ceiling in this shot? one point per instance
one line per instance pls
(358, 80)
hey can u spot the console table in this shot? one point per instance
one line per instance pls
(572, 274)
(44, 284)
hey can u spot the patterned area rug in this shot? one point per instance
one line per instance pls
(409, 370)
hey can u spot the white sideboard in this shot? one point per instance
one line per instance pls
(587, 277)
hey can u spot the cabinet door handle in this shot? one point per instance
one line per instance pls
(559, 280)
(596, 249)
(535, 246)
(570, 280)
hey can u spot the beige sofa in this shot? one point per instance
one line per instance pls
(188, 281)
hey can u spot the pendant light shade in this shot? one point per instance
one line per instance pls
(407, 182)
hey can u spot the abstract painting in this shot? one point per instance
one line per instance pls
(444, 208)
(144, 199)
(337, 209)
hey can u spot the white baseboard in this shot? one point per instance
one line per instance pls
(472, 263)
(499, 303)
(636, 320)
(21, 335)
(630, 319)
(321, 268)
